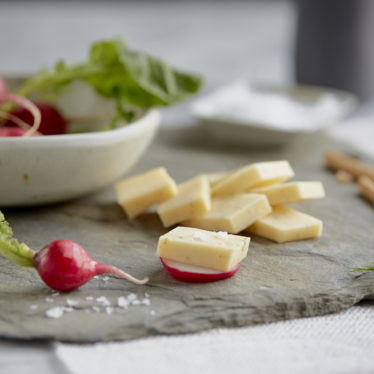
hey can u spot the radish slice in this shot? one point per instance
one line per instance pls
(5, 96)
(195, 274)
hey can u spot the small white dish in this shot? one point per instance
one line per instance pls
(270, 115)
(50, 169)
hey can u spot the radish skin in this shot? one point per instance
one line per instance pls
(194, 274)
(52, 121)
(8, 131)
(65, 265)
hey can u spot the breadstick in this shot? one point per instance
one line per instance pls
(344, 177)
(340, 161)
(366, 186)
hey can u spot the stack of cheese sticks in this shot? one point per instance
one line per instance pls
(252, 198)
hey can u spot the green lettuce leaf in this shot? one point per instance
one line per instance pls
(133, 79)
(19, 253)
(138, 78)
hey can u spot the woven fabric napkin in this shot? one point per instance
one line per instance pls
(339, 343)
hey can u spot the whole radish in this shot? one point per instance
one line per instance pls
(62, 264)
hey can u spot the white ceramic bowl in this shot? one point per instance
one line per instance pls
(220, 113)
(49, 169)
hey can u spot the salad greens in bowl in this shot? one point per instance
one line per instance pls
(73, 129)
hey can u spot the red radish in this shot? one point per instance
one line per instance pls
(8, 131)
(195, 274)
(65, 265)
(52, 122)
(6, 96)
(62, 264)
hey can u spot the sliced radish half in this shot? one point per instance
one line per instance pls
(195, 274)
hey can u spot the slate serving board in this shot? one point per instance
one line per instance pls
(275, 282)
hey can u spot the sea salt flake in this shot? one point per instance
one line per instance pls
(55, 312)
(33, 307)
(109, 310)
(131, 297)
(201, 236)
(103, 300)
(222, 234)
(71, 302)
(48, 300)
(122, 302)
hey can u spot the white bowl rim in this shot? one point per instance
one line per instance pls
(130, 129)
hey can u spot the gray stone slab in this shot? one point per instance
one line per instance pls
(275, 282)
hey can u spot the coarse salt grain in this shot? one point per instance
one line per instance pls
(122, 302)
(55, 312)
(105, 278)
(55, 293)
(146, 302)
(103, 300)
(68, 309)
(33, 307)
(201, 236)
(89, 298)
(96, 308)
(48, 300)
(146, 294)
(153, 312)
(71, 302)
(222, 234)
(131, 297)
(109, 310)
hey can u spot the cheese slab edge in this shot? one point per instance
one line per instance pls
(137, 193)
(212, 250)
(285, 225)
(291, 192)
(254, 175)
(193, 199)
(232, 213)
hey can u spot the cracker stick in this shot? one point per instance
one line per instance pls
(340, 161)
(344, 177)
(366, 186)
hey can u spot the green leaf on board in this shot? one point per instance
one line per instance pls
(19, 253)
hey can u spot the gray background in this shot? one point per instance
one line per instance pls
(223, 40)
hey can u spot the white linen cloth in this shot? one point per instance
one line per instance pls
(339, 343)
